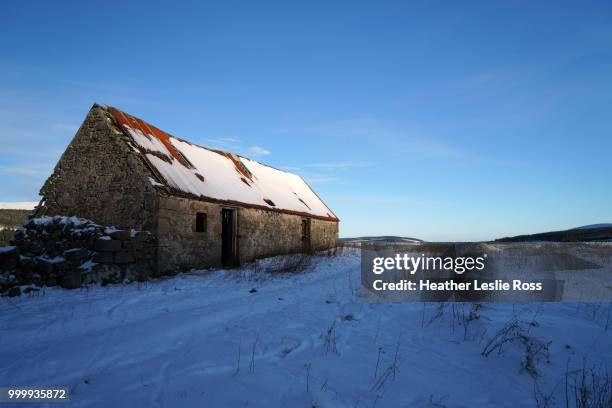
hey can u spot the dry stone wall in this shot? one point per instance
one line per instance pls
(71, 251)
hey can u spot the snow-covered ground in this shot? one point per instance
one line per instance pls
(247, 337)
(18, 205)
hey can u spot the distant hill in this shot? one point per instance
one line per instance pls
(595, 226)
(10, 220)
(587, 233)
(380, 239)
(13, 218)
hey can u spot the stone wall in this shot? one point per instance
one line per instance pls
(324, 234)
(180, 246)
(71, 251)
(100, 178)
(266, 233)
(260, 234)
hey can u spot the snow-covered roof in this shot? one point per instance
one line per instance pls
(199, 172)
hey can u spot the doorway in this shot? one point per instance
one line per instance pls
(229, 253)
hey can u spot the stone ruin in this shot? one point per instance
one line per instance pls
(72, 252)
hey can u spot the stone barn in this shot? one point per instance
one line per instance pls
(206, 207)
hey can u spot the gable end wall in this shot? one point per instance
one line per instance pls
(100, 178)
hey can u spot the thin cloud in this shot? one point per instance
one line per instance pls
(235, 145)
(428, 148)
(21, 171)
(338, 165)
(258, 151)
(30, 152)
(99, 86)
(401, 138)
(381, 199)
(64, 127)
(321, 180)
(290, 168)
(224, 143)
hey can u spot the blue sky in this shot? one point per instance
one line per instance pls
(445, 121)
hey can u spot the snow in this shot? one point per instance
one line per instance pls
(56, 259)
(75, 221)
(87, 266)
(155, 183)
(110, 230)
(147, 142)
(223, 181)
(18, 205)
(305, 339)
(6, 248)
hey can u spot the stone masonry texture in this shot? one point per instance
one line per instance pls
(71, 251)
(100, 177)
